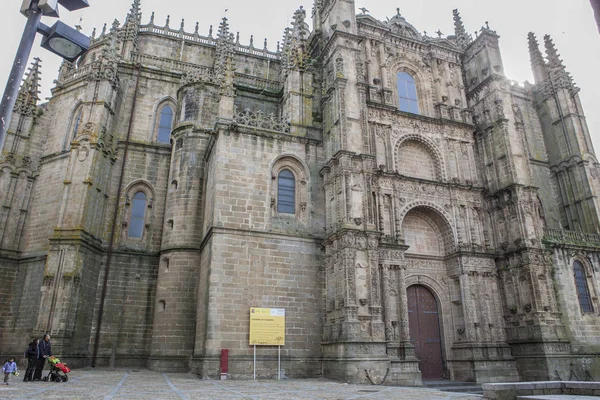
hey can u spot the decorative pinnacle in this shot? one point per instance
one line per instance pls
(463, 39)
(28, 93)
(538, 64)
(554, 60)
(534, 50)
(223, 29)
(135, 13)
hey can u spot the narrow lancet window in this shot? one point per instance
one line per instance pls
(286, 192)
(138, 213)
(164, 125)
(583, 292)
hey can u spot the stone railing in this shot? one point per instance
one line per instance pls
(558, 236)
(261, 120)
(257, 83)
(76, 73)
(196, 38)
(169, 64)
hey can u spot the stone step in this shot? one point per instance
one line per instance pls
(441, 383)
(556, 397)
(454, 386)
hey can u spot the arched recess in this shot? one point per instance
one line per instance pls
(413, 153)
(395, 65)
(425, 227)
(75, 124)
(166, 101)
(302, 182)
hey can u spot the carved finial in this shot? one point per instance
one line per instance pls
(115, 25)
(398, 12)
(278, 46)
(487, 25)
(223, 29)
(265, 46)
(463, 39)
(210, 31)
(167, 22)
(152, 18)
(237, 38)
(94, 34)
(182, 25)
(251, 40)
(439, 33)
(196, 28)
(103, 30)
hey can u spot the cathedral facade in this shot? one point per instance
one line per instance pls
(418, 215)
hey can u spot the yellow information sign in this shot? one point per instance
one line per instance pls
(267, 326)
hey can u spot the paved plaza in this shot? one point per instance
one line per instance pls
(142, 384)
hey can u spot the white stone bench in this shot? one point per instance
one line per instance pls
(512, 391)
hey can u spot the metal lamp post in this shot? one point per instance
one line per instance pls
(60, 39)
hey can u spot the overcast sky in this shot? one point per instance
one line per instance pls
(570, 23)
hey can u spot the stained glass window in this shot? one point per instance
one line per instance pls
(286, 192)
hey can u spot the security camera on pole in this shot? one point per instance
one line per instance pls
(59, 39)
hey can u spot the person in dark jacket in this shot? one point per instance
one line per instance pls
(45, 352)
(32, 355)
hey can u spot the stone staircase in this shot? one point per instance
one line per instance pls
(454, 386)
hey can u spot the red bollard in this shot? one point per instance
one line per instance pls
(224, 363)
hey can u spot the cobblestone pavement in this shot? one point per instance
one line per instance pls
(107, 384)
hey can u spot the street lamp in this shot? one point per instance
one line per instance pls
(59, 39)
(64, 41)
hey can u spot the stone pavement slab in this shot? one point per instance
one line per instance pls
(127, 384)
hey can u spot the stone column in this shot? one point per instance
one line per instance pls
(468, 310)
(407, 347)
(387, 311)
(384, 75)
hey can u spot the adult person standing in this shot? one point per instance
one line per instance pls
(45, 352)
(32, 355)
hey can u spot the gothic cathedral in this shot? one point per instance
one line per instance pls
(418, 215)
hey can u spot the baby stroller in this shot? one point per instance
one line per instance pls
(58, 371)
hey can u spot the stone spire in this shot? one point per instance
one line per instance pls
(463, 39)
(28, 94)
(294, 52)
(131, 29)
(135, 13)
(538, 64)
(557, 71)
(225, 58)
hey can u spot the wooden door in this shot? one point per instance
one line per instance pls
(423, 318)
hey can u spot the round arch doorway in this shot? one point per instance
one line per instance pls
(423, 318)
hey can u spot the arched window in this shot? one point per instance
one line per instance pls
(138, 213)
(407, 93)
(583, 292)
(164, 125)
(76, 124)
(286, 192)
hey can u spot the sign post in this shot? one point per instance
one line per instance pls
(267, 328)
